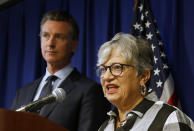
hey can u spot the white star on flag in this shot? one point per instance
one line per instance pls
(159, 83)
(153, 47)
(141, 8)
(165, 66)
(155, 59)
(147, 24)
(136, 26)
(156, 72)
(163, 54)
(146, 13)
(160, 43)
(141, 28)
(149, 36)
(142, 17)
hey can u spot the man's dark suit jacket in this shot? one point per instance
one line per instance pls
(84, 108)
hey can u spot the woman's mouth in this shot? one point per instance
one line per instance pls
(111, 88)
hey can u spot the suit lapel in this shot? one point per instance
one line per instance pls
(32, 91)
(67, 85)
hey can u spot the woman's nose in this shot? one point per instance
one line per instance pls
(107, 75)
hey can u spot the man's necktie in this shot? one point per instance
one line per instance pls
(47, 89)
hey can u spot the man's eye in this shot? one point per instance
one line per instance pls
(45, 35)
(60, 37)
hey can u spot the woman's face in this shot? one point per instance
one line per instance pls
(123, 88)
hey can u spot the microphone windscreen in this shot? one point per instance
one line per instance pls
(59, 94)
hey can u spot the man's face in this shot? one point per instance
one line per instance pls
(57, 45)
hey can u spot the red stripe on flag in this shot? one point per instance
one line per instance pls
(173, 99)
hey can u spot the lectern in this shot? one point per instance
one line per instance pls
(24, 121)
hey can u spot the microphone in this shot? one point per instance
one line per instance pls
(57, 95)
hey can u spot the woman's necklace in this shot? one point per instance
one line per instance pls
(121, 123)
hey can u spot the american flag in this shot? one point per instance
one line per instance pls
(145, 26)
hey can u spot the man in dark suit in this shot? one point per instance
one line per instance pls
(84, 108)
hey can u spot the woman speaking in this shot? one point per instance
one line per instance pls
(124, 67)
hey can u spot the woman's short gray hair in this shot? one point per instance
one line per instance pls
(135, 50)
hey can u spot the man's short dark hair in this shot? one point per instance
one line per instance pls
(60, 15)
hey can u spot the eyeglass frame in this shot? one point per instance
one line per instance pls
(110, 69)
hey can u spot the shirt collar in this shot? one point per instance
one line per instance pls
(62, 73)
(139, 110)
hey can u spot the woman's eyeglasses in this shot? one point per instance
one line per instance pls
(116, 69)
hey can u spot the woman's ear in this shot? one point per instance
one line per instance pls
(145, 77)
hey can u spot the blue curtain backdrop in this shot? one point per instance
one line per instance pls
(99, 20)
